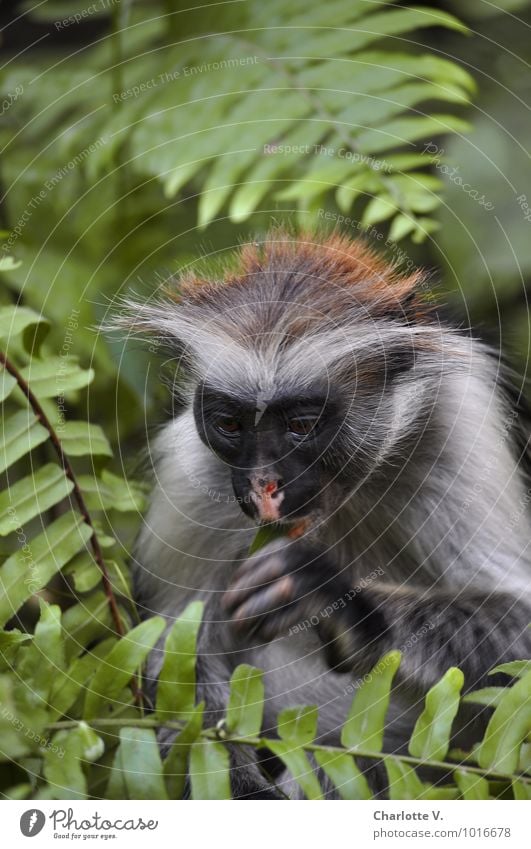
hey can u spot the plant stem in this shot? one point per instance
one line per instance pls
(78, 495)
(261, 742)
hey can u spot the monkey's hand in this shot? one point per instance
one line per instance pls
(289, 586)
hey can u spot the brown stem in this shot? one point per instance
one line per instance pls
(78, 495)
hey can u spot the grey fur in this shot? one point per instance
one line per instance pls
(440, 510)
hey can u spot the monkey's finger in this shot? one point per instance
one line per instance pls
(250, 582)
(253, 564)
(275, 596)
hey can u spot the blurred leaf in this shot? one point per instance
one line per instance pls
(15, 319)
(264, 535)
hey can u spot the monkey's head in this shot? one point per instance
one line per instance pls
(308, 368)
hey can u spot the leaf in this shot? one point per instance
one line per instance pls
(87, 621)
(15, 744)
(524, 761)
(111, 492)
(298, 725)
(404, 131)
(176, 684)
(64, 757)
(471, 786)
(13, 638)
(44, 658)
(246, 702)
(364, 727)
(299, 766)
(404, 782)
(62, 767)
(137, 770)
(31, 496)
(445, 791)
(401, 226)
(18, 791)
(15, 319)
(7, 263)
(21, 433)
(7, 384)
(343, 771)
(84, 572)
(116, 670)
(430, 739)
(521, 789)
(56, 376)
(209, 770)
(81, 438)
(264, 535)
(378, 209)
(515, 668)
(488, 696)
(507, 729)
(68, 685)
(176, 763)
(29, 569)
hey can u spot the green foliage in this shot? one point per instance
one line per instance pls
(215, 117)
(62, 755)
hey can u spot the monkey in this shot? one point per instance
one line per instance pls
(318, 388)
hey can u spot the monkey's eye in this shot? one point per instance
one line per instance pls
(302, 426)
(227, 425)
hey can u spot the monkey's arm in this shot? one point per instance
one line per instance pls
(436, 629)
(285, 586)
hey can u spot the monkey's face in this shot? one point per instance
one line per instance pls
(278, 450)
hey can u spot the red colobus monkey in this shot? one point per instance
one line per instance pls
(319, 390)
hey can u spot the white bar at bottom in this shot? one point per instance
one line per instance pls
(267, 824)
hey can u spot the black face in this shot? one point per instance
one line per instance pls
(276, 449)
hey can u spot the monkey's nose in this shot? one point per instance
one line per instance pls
(269, 486)
(266, 496)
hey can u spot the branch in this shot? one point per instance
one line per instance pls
(261, 742)
(78, 495)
